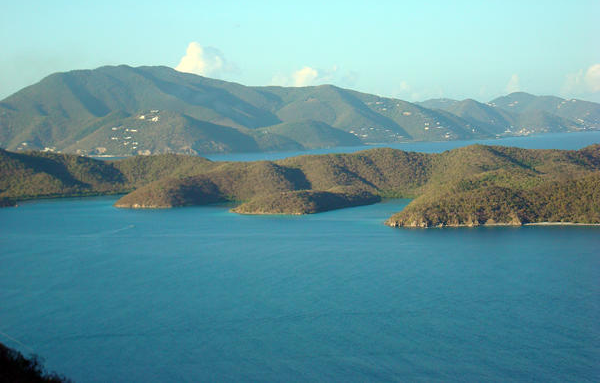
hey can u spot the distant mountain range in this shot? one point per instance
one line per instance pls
(120, 111)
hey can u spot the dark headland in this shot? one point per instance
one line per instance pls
(14, 367)
(470, 186)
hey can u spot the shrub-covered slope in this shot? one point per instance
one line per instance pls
(472, 185)
(496, 185)
(40, 174)
(298, 185)
(467, 186)
(305, 202)
(571, 201)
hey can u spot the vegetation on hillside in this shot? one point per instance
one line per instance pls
(38, 174)
(305, 202)
(575, 200)
(472, 185)
(497, 185)
(166, 193)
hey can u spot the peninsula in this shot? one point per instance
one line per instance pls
(470, 186)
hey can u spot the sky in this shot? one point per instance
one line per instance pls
(409, 50)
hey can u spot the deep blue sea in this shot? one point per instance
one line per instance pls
(202, 294)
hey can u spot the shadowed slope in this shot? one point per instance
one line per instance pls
(37, 174)
(311, 134)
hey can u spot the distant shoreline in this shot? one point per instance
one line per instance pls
(493, 225)
(279, 154)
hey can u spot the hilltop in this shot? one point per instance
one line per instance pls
(469, 186)
(485, 185)
(124, 111)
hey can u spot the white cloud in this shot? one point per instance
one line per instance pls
(513, 84)
(308, 76)
(583, 82)
(204, 61)
(305, 76)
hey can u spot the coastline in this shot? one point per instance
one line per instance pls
(560, 224)
(497, 224)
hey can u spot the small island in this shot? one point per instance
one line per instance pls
(470, 186)
(305, 202)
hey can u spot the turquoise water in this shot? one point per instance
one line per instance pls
(201, 294)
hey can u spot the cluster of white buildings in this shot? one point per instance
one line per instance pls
(128, 135)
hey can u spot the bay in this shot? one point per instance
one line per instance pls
(565, 141)
(202, 294)
(197, 294)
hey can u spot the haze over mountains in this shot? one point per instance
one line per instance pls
(120, 111)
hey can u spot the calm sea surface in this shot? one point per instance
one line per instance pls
(201, 294)
(568, 141)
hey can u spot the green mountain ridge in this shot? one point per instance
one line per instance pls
(76, 111)
(539, 114)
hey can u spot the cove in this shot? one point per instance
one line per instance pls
(200, 293)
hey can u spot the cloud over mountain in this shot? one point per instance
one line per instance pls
(308, 76)
(584, 81)
(204, 61)
(305, 76)
(513, 84)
